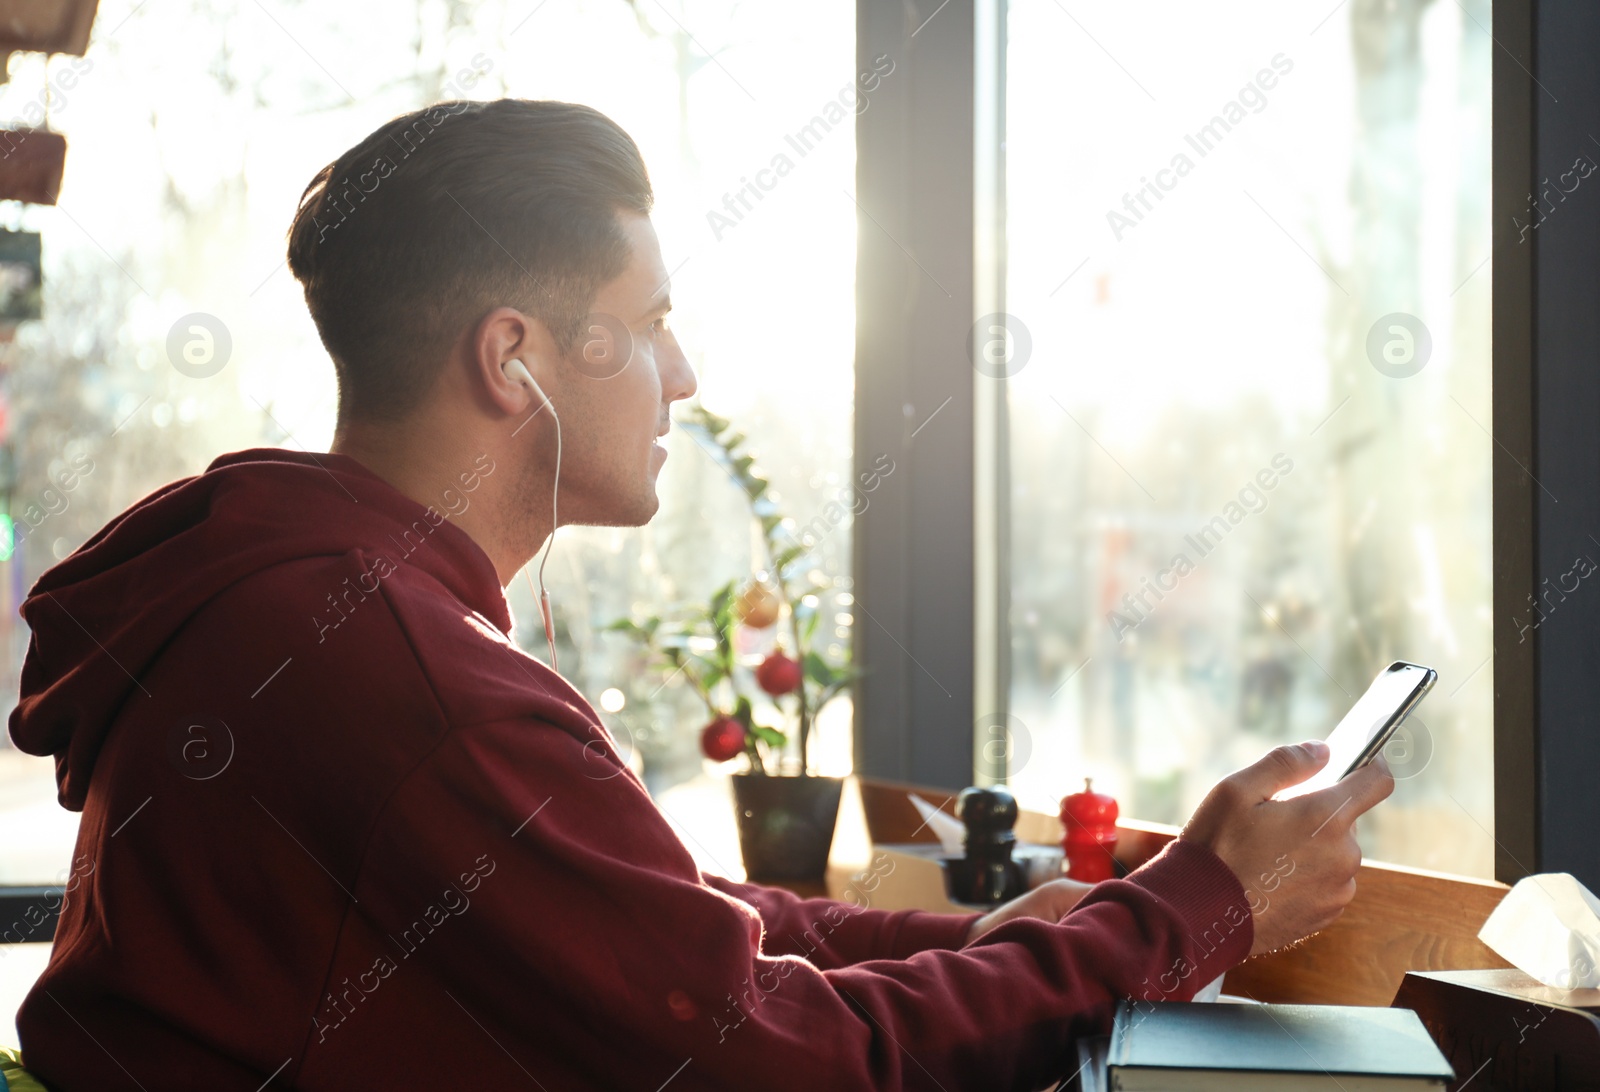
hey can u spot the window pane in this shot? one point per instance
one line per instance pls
(1250, 464)
(192, 133)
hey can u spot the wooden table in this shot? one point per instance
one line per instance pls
(1402, 919)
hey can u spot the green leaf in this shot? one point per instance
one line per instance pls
(818, 670)
(808, 627)
(830, 693)
(720, 614)
(770, 736)
(697, 414)
(787, 556)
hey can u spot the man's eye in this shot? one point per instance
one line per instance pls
(659, 326)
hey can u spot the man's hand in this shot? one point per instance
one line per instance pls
(1047, 902)
(1296, 859)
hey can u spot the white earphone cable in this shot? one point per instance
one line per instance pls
(543, 595)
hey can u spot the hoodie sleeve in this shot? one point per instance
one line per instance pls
(594, 954)
(794, 926)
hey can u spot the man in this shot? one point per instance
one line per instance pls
(340, 832)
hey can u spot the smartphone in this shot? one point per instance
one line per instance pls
(1371, 722)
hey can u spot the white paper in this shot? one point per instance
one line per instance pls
(952, 833)
(1548, 926)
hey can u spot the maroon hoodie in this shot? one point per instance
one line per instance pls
(339, 832)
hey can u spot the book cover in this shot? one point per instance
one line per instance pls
(1172, 1039)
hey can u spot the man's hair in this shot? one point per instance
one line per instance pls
(446, 213)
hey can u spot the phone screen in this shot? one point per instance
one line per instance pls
(1367, 727)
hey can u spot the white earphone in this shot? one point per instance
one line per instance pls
(516, 371)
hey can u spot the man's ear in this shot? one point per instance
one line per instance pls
(506, 334)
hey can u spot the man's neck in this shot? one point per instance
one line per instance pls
(448, 469)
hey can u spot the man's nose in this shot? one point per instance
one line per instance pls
(677, 377)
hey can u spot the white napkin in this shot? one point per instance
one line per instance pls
(1548, 926)
(951, 831)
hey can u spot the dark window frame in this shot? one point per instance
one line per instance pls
(1547, 462)
(18, 902)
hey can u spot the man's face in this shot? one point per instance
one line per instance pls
(615, 389)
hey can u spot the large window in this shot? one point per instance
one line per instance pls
(1249, 453)
(193, 129)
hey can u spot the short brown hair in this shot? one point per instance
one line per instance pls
(443, 214)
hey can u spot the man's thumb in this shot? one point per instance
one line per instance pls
(1284, 766)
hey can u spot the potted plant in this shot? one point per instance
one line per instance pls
(786, 814)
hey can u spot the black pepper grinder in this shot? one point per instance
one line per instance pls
(987, 876)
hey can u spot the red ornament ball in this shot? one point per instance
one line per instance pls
(778, 674)
(722, 739)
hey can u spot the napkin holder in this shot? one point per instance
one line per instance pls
(1503, 1029)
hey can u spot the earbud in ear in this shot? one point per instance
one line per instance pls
(517, 371)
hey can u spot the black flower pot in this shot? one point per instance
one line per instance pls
(786, 824)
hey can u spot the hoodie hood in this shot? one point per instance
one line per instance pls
(99, 619)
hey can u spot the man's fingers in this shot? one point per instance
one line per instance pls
(1281, 767)
(1372, 783)
(1337, 806)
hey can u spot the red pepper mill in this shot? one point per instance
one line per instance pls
(1090, 821)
